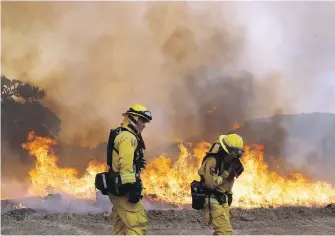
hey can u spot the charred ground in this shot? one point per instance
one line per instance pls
(297, 220)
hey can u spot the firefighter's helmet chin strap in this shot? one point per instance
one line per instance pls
(133, 126)
(133, 123)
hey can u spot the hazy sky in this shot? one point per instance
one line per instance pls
(296, 38)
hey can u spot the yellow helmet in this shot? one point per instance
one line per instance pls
(139, 110)
(232, 144)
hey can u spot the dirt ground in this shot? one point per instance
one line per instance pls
(282, 220)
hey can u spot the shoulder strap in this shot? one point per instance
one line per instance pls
(208, 153)
(110, 145)
(218, 164)
(218, 158)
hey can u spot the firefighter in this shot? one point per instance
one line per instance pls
(218, 171)
(128, 214)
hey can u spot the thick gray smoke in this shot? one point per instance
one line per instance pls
(198, 66)
(96, 59)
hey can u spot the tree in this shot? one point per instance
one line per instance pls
(30, 93)
(11, 89)
(21, 112)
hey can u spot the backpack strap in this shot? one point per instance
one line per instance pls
(138, 155)
(218, 157)
(209, 153)
(110, 145)
(218, 166)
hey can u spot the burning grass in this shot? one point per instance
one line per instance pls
(168, 181)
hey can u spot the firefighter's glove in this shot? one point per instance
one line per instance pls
(237, 168)
(135, 192)
(237, 165)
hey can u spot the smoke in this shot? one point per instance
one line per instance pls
(62, 203)
(198, 66)
(11, 158)
(96, 59)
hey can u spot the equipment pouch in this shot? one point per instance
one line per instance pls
(198, 195)
(115, 187)
(109, 182)
(101, 181)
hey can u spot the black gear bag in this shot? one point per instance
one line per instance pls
(198, 195)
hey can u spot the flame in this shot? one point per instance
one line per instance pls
(257, 186)
(47, 177)
(236, 126)
(168, 180)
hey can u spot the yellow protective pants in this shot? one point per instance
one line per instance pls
(128, 218)
(220, 217)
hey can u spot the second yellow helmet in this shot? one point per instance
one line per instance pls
(232, 144)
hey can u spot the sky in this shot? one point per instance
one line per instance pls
(296, 38)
